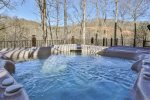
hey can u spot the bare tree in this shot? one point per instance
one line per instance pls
(4, 3)
(42, 7)
(77, 15)
(122, 13)
(44, 21)
(104, 10)
(142, 34)
(97, 14)
(84, 20)
(116, 22)
(65, 20)
(137, 8)
(49, 19)
(57, 9)
(96, 4)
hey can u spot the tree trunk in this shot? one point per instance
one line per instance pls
(57, 22)
(105, 17)
(97, 15)
(50, 29)
(44, 22)
(122, 39)
(83, 20)
(65, 21)
(116, 21)
(135, 34)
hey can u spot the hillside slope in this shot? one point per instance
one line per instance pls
(21, 29)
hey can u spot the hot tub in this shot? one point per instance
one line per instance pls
(77, 77)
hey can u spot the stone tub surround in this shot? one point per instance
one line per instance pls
(142, 85)
(126, 52)
(26, 53)
(9, 66)
(22, 95)
(140, 55)
(4, 74)
(44, 52)
(137, 66)
(67, 48)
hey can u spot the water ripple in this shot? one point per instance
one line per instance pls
(76, 78)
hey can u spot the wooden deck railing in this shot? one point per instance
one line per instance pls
(99, 42)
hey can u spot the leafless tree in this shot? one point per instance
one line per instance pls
(57, 9)
(122, 13)
(142, 34)
(83, 20)
(49, 8)
(136, 9)
(77, 17)
(97, 6)
(104, 12)
(65, 20)
(116, 22)
(4, 3)
(43, 13)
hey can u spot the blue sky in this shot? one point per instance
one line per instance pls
(29, 11)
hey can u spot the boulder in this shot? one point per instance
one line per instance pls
(137, 66)
(44, 52)
(9, 66)
(2, 56)
(8, 82)
(13, 88)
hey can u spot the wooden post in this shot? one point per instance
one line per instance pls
(135, 34)
(106, 41)
(96, 37)
(28, 43)
(103, 41)
(116, 21)
(7, 44)
(116, 41)
(83, 20)
(111, 42)
(14, 44)
(144, 42)
(122, 39)
(65, 21)
(34, 41)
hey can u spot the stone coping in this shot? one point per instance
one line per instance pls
(140, 55)
(4, 74)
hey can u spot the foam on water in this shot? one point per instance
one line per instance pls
(54, 64)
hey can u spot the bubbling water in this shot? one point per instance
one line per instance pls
(76, 77)
(55, 64)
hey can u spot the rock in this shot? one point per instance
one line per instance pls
(146, 75)
(9, 66)
(137, 66)
(8, 82)
(146, 62)
(44, 52)
(13, 88)
(4, 57)
(3, 73)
